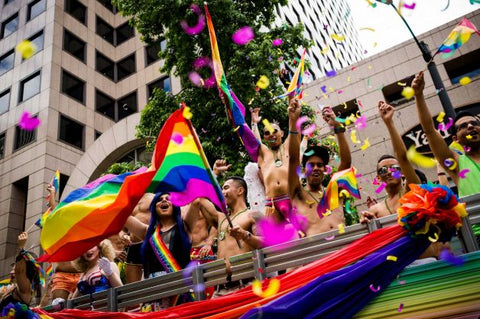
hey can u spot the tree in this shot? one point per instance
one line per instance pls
(157, 20)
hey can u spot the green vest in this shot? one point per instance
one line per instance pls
(471, 183)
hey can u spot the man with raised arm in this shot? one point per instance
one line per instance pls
(391, 169)
(306, 199)
(465, 130)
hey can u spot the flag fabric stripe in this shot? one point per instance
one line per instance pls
(296, 84)
(458, 36)
(340, 180)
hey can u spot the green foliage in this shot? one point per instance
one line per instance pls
(123, 167)
(243, 66)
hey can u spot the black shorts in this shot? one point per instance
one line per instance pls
(134, 256)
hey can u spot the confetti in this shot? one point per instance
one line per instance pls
(366, 144)
(375, 181)
(299, 172)
(177, 138)
(469, 137)
(267, 124)
(401, 83)
(338, 37)
(419, 159)
(396, 174)
(433, 239)
(381, 188)
(330, 238)
(400, 307)
(198, 28)
(440, 117)
(465, 80)
(341, 228)
(401, 282)
(368, 83)
(243, 35)
(392, 258)
(186, 113)
(325, 50)
(463, 173)
(361, 122)
(353, 137)
(408, 92)
(328, 169)
(272, 288)
(447, 256)
(450, 163)
(274, 233)
(409, 6)
(374, 289)
(324, 88)
(26, 49)
(277, 42)
(196, 79)
(27, 122)
(331, 73)
(263, 82)
(367, 28)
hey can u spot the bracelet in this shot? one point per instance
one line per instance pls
(248, 235)
(254, 124)
(293, 132)
(339, 129)
(441, 174)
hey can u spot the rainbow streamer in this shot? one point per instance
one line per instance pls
(296, 84)
(458, 37)
(184, 170)
(236, 112)
(41, 274)
(340, 180)
(162, 252)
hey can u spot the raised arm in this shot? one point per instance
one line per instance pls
(136, 227)
(51, 200)
(208, 210)
(339, 129)
(294, 186)
(439, 147)
(23, 283)
(255, 113)
(386, 112)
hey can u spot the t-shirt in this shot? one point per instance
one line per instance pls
(470, 184)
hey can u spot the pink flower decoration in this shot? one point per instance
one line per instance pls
(27, 122)
(277, 42)
(243, 35)
(196, 29)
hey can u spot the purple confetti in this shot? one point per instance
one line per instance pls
(243, 35)
(331, 73)
(400, 307)
(381, 188)
(177, 138)
(447, 256)
(27, 122)
(196, 29)
(374, 289)
(324, 88)
(396, 174)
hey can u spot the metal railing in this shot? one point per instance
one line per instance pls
(256, 264)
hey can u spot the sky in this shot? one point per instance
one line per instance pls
(388, 26)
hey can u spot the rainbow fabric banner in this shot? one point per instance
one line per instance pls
(41, 221)
(184, 170)
(340, 180)
(457, 37)
(236, 112)
(296, 84)
(162, 252)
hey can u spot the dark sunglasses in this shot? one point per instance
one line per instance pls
(385, 169)
(464, 125)
(267, 133)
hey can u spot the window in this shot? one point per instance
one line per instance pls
(465, 65)
(8, 1)
(108, 4)
(74, 45)
(37, 40)
(151, 51)
(97, 134)
(105, 30)
(124, 32)
(2, 145)
(125, 67)
(77, 10)
(6, 61)
(346, 109)
(127, 105)
(71, 132)
(29, 87)
(162, 84)
(73, 87)
(105, 66)
(35, 8)
(115, 110)
(4, 101)
(104, 104)
(23, 137)
(393, 92)
(9, 26)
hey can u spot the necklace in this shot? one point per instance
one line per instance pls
(314, 198)
(386, 202)
(223, 234)
(277, 160)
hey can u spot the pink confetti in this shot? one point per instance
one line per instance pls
(196, 29)
(300, 121)
(402, 282)
(358, 175)
(374, 289)
(463, 173)
(339, 92)
(243, 35)
(277, 42)
(467, 149)
(196, 79)
(409, 6)
(177, 138)
(450, 122)
(375, 181)
(275, 233)
(381, 188)
(328, 169)
(330, 238)
(400, 307)
(27, 122)
(309, 129)
(361, 122)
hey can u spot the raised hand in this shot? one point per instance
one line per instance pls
(329, 117)
(371, 201)
(22, 239)
(255, 112)
(385, 111)
(220, 166)
(105, 265)
(294, 110)
(418, 84)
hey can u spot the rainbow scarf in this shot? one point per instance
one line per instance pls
(342, 180)
(296, 84)
(184, 170)
(236, 112)
(49, 270)
(162, 252)
(457, 37)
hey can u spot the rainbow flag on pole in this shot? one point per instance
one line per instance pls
(296, 84)
(340, 180)
(236, 112)
(184, 170)
(457, 37)
(55, 183)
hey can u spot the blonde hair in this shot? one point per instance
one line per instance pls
(105, 249)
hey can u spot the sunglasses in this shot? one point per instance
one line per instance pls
(464, 125)
(267, 133)
(385, 169)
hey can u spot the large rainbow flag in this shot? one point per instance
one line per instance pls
(236, 112)
(458, 36)
(184, 170)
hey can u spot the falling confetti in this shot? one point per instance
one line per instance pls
(177, 138)
(26, 49)
(419, 159)
(408, 92)
(243, 35)
(447, 256)
(263, 82)
(463, 173)
(338, 37)
(381, 188)
(198, 28)
(274, 233)
(440, 117)
(465, 80)
(331, 73)
(353, 137)
(366, 144)
(374, 289)
(341, 228)
(268, 126)
(434, 239)
(187, 114)
(27, 122)
(392, 258)
(400, 307)
(450, 163)
(277, 42)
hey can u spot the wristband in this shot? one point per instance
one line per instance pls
(248, 235)
(441, 174)
(339, 129)
(293, 132)
(254, 124)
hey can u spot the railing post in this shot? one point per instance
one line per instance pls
(258, 265)
(374, 225)
(69, 304)
(198, 283)
(468, 237)
(112, 305)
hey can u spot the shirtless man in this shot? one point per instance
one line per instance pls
(306, 200)
(244, 225)
(273, 165)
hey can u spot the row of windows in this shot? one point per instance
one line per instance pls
(10, 25)
(29, 87)
(7, 60)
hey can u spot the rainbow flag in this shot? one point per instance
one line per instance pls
(296, 84)
(340, 180)
(457, 37)
(41, 221)
(236, 112)
(184, 170)
(49, 271)
(55, 183)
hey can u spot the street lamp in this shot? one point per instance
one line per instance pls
(432, 67)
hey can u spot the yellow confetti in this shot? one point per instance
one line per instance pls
(26, 49)
(369, 29)
(345, 105)
(440, 117)
(331, 89)
(310, 202)
(338, 37)
(375, 44)
(408, 92)
(250, 102)
(272, 289)
(469, 137)
(327, 213)
(366, 144)
(269, 127)
(419, 159)
(263, 82)
(465, 80)
(392, 258)
(433, 239)
(325, 50)
(186, 113)
(236, 129)
(353, 137)
(348, 79)
(402, 83)
(352, 118)
(341, 228)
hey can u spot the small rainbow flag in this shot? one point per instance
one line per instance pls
(340, 180)
(162, 252)
(296, 84)
(49, 272)
(457, 37)
(55, 183)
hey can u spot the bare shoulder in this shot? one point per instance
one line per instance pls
(256, 215)
(379, 209)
